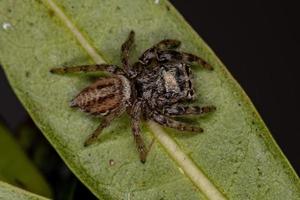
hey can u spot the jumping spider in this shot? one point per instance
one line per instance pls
(151, 88)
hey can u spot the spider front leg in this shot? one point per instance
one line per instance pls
(136, 131)
(188, 58)
(151, 53)
(176, 110)
(88, 68)
(171, 123)
(167, 44)
(105, 122)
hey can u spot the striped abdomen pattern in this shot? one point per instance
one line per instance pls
(103, 96)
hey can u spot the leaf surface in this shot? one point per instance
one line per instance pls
(235, 157)
(17, 169)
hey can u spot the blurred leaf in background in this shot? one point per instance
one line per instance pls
(17, 169)
(63, 183)
(9, 192)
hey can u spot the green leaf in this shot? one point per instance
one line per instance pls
(17, 169)
(9, 192)
(235, 158)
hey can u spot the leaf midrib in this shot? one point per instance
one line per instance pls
(190, 169)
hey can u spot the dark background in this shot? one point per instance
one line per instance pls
(258, 41)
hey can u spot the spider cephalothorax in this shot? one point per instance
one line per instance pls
(153, 88)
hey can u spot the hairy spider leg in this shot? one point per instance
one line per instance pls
(106, 121)
(169, 55)
(176, 110)
(151, 53)
(113, 69)
(171, 123)
(167, 44)
(125, 50)
(136, 131)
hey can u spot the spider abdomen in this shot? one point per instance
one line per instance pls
(103, 96)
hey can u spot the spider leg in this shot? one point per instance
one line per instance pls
(125, 49)
(169, 55)
(88, 68)
(171, 123)
(167, 44)
(105, 122)
(151, 53)
(176, 110)
(136, 131)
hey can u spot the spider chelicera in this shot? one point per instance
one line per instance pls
(153, 88)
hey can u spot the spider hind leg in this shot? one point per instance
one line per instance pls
(105, 123)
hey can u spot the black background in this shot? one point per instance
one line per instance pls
(258, 41)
